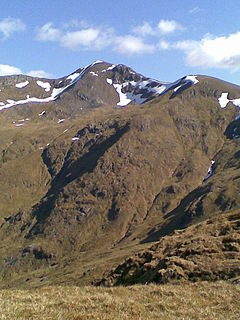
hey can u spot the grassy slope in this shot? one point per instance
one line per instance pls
(219, 300)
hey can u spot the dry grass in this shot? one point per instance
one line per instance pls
(219, 300)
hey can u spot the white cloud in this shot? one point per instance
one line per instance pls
(81, 38)
(219, 52)
(164, 27)
(169, 26)
(74, 23)
(132, 45)
(91, 38)
(104, 39)
(144, 29)
(164, 45)
(194, 10)
(48, 33)
(10, 25)
(39, 74)
(77, 35)
(6, 70)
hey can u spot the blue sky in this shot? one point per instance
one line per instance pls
(161, 39)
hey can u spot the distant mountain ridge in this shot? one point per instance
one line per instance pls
(129, 85)
(122, 86)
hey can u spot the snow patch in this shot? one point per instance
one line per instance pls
(75, 138)
(43, 113)
(177, 88)
(125, 84)
(143, 84)
(111, 67)
(73, 76)
(96, 62)
(94, 74)
(192, 78)
(137, 98)
(124, 100)
(22, 84)
(160, 89)
(236, 102)
(44, 85)
(12, 103)
(109, 81)
(223, 100)
(210, 170)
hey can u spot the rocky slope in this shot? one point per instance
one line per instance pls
(209, 250)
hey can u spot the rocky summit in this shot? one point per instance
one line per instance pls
(110, 177)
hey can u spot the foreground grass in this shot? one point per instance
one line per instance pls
(203, 300)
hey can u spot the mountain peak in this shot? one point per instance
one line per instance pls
(129, 85)
(99, 83)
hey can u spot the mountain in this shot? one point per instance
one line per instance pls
(98, 165)
(97, 84)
